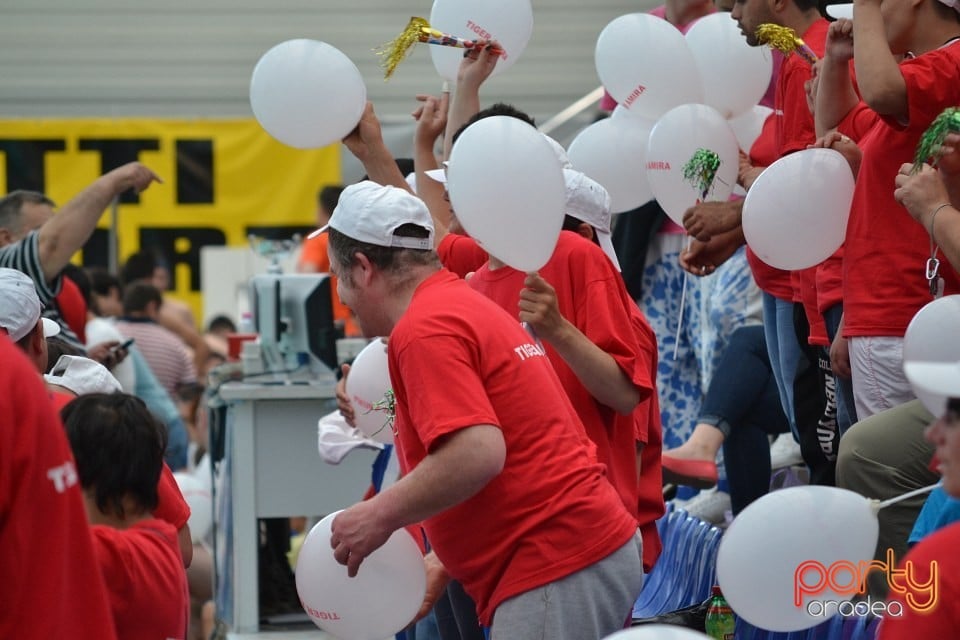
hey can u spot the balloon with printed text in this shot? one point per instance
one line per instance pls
(306, 93)
(509, 22)
(674, 140)
(613, 151)
(375, 604)
(369, 389)
(645, 65)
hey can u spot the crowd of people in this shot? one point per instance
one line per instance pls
(539, 417)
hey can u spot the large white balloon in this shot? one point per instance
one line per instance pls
(509, 22)
(507, 190)
(307, 94)
(793, 549)
(735, 75)
(657, 632)
(645, 64)
(379, 601)
(795, 214)
(674, 140)
(197, 494)
(748, 125)
(613, 151)
(367, 385)
(931, 337)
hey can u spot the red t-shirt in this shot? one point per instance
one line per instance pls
(461, 254)
(73, 308)
(943, 620)
(591, 296)
(457, 360)
(886, 250)
(648, 431)
(171, 505)
(51, 587)
(771, 280)
(145, 579)
(313, 251)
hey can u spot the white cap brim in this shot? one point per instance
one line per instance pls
(314, 234)
(438, 175)
(938, 379)
(840, 11)
(606, 243)
(50, 328)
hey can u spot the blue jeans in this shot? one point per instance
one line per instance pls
(846, 409)
(744, 403)
(783, 350)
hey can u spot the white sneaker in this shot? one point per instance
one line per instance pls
(785, 452)
(710, 505)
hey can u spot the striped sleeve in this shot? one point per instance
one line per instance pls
(24, 255)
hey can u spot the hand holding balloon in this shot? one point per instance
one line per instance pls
(343, 399)
(366, 139)
(478, 64)
(356, 533)
(539, 308)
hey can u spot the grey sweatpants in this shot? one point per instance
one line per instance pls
(587, 605)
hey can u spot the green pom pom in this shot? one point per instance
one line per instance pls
(701, 170)
(946, 123)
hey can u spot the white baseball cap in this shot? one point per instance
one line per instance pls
(82, 376)
(840, 11)
(20, 306)
(370, 212)
(940, 379)
(589, 202)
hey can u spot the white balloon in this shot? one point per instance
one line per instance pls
(795, 214)
(735, 75)
(367, 385)
(507, 190)
(748, 125)
(379, 601)
(199, 499)
(674, 140)
(307, 94)
(645, 64)
(657, 632)
(776, 548)
(509, 22)
(613, 151)
(931, 337)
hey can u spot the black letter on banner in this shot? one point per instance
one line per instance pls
(164, 240)
(96, 251)
(25, 162)
(195, 171)
(118, 152)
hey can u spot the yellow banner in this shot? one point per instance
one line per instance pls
(222, 180)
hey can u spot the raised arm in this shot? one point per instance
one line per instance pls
(365, 142)
(878, 75)
(476, 67)
(431, 118)
(835, 96)
(65, 233)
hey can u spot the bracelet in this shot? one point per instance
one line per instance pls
(933, 218)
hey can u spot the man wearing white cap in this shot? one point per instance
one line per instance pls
(496, 465)
(20, 319)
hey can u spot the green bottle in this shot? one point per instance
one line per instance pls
(720, 619)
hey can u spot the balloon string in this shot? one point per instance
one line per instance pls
(683, 299)
(916, 492)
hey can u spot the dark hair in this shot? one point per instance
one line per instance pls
(345, 248)
(329, 196)
(102, 281)
(56, 347)
(11, 207)
(138, 295)
(498, 109)
(139, 266)
(220, 323)
(118, 446)
(405, 165)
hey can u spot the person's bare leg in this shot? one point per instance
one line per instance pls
(703, 444)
